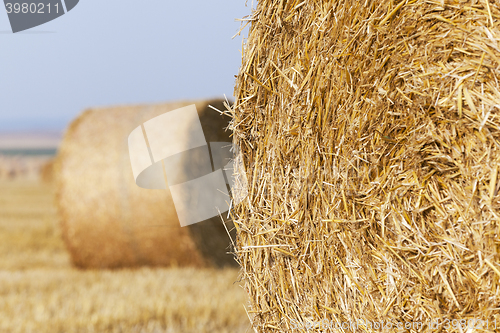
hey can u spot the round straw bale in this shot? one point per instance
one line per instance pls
(107, 220)
(47, 171)
(3, 167)
(370, 131)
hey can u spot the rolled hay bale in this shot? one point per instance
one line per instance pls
(371, 136)
(25, 167)
(47, 171)
(107, 220)
(3, 168)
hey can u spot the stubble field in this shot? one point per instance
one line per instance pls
(40, 291)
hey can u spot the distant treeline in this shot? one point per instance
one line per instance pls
(29, 152)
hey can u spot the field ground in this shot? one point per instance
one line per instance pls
(40, 291)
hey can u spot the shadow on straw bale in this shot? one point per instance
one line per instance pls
(110, 222)
(371, 133)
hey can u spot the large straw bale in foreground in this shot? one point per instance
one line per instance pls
(371, 135)
(108, 221)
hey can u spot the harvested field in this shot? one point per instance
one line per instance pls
(41, 292)
(371, 136)
(29, 235)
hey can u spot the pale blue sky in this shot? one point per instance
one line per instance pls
(109, 52)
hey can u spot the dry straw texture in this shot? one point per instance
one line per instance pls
(107, 220)
(371, 136)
